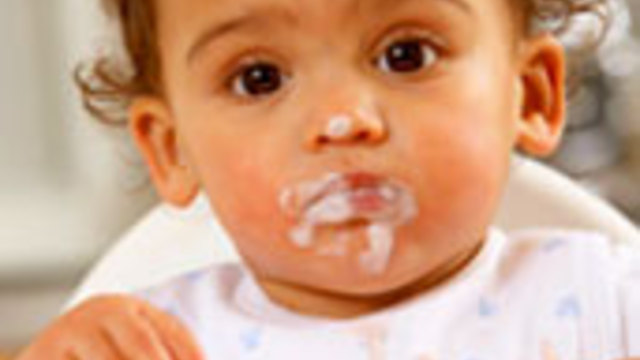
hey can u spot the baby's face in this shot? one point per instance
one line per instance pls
(400, 115)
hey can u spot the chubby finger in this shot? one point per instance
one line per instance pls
(179, 341)
(135, 338)
(93, 346)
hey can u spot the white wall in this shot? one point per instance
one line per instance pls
(24, 145)
(66, 184)
(64, 179)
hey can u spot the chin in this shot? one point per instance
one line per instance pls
(390, 282)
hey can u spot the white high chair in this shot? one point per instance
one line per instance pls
(168, 242)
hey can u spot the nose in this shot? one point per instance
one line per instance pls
(362, 126)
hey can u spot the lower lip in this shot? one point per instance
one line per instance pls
(367, 200)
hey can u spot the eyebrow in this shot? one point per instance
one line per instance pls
(256, 18)
(277, 14)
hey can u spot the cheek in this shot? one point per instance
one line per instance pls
(241, 182)
(475, 163)
(464, 151)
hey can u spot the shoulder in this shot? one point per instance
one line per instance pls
(204, 301)
(587, 254)
(549, 239)
(561, 247)
(186, 295)
(581, 275)
(557, 258)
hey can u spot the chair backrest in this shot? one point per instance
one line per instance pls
(168, 241)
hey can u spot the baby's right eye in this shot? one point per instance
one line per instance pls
(258, 79)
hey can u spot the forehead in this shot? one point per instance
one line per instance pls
(171, 8)
(184, 23)
(181, 13)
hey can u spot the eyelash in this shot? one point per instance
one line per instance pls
(402, 36)
(414, 33)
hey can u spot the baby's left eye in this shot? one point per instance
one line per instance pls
(407, 56)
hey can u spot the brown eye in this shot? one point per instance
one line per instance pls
(258, 80)
(407, 56)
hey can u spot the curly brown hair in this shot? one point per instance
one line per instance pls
(108, 86)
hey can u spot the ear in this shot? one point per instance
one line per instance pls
(542, 112)
(154, 131)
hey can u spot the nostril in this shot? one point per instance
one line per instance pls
(362, 135)
(323, 140)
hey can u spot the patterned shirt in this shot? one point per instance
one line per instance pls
(537, 294)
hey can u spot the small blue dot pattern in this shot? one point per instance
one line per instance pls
(486, 308)
(553, 245)
(251, 339)
(568, 307)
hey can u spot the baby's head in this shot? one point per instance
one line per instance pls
(355, 147)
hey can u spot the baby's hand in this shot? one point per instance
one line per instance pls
(114, 328)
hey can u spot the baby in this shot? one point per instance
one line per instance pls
(356, 151)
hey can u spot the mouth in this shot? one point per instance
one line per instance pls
(348, 198)
(344, 201)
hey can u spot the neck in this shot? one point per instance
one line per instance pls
(321, 303)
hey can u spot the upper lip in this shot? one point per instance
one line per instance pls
(347, 182)
(306, 194)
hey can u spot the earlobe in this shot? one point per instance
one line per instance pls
(542, 111)
(154, 132)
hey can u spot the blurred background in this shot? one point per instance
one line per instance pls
(68, 186)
